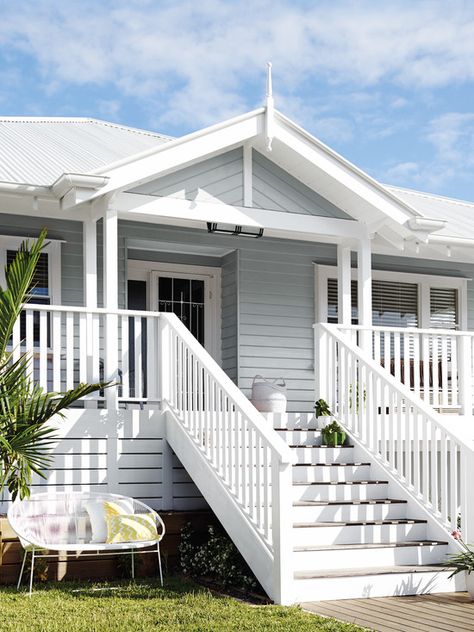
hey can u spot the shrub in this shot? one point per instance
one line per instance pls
(214, 557)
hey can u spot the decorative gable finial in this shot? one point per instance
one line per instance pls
(269, 106)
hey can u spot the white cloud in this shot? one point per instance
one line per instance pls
(187, 61)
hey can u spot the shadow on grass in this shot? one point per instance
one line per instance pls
(175, 587)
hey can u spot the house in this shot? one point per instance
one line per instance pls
(180, 268)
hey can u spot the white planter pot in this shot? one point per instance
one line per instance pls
(470, 584)
(269, 396)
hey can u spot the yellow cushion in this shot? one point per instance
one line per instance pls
(130, 528)
(112, 508)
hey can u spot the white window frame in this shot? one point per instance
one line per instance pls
(52, 249)
(424, 281)
(148, 271)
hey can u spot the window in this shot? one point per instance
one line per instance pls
(398, 299)
(46, 286)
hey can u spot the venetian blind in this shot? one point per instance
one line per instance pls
(443, 308)
(394, 303)
(40, 285)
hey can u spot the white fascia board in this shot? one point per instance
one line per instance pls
(68, 181)
(341, 170)
(181, 152)
(133, 206)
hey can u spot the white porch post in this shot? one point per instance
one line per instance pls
(344, 284)
(110, 241)
(111, 302)
(364, 289)
(89, 253)
(89, 239)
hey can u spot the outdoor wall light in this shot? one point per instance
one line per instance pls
(237, 231)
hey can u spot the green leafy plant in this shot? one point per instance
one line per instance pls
(214, 557)
(25, 408)
(333, 434)
(321, 408)
(463, 561)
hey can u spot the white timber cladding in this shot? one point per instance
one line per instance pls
(424, 282)
(82, 460)
(52, 249)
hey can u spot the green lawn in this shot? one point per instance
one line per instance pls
(144, 605)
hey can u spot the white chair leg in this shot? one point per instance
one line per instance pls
(133, 564)
(159, 562)
(32, 569)
(22, 569)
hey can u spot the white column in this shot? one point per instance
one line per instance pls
(364, 289)
(282, 532)
(89, 240)
(111, 302)
(89, 254)
(344, 284)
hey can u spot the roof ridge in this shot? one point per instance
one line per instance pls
(435, 196)
(81, 119)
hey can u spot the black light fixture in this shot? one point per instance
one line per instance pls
(236, 231)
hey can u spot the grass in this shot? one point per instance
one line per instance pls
(143, 605)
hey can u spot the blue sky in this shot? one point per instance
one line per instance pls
(389, 85)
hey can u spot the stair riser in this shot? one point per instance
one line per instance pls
(324, 455)
(339, 492)
(303, 437)
(349, 512)
(368, 558)
(293, 420)
(312, 473)
(372, 534)
(376, 586)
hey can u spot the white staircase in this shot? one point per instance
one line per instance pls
(351, 538)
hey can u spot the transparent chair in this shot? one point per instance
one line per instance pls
(51, 523)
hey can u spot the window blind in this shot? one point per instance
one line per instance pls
(40, 284)
(394, 303)
(444, 308)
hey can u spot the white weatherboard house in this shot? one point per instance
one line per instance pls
(356, 292)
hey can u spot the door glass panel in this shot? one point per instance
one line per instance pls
(185, 298)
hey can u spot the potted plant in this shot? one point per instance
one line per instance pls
(333, 434)
(463, 561)
(321, 408)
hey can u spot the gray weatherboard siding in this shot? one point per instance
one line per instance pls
(267, 293)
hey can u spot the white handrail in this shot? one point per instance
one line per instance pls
(437, 364)
(244, 452)
(401, 431)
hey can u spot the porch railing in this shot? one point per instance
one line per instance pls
(68, 345)
(244, 452)
(403, 433)
(436, 364)
(152, 358)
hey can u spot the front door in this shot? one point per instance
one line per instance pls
(185, 296)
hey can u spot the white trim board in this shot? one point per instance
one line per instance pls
(52, 248)
(149, 270)
(425, 281)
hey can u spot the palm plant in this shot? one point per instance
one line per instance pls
(25, 408)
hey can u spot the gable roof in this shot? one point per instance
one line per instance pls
(37, 150)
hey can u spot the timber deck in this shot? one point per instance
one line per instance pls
(446, 612)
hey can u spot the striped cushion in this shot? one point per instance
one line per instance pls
(131, 528)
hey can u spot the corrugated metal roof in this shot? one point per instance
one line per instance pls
(38, 150)
(459, 214)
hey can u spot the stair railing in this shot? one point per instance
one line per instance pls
(403, 433)
(245, 453)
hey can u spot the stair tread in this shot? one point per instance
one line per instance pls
(342, 483)
(328, 464)
(370, 501)
(358, 523)
(375, 545)
(378, 570)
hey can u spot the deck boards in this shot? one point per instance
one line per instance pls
(447, 612)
